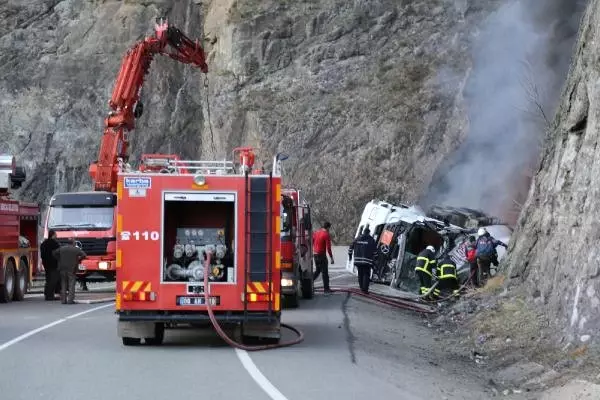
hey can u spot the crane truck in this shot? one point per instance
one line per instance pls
(90, 217)
(296, 248)
(18, 234)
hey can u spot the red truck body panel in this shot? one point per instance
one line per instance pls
(147, 224)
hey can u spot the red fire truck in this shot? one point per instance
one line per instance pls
(296, 248)
(18, 235)
(169, 223)
(89, 217)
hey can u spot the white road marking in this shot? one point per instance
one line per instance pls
(24, 336)
(258, 377)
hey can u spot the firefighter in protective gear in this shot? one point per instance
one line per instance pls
(424, 269)
(447, 279)
(485, 251)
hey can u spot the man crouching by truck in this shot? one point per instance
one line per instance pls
(365, 254)
(68, 258)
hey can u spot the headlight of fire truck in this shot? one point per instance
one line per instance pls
(103, 265)
(199, 180)
(285, 282)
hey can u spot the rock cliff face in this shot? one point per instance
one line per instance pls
(365, 96)
(554, 251)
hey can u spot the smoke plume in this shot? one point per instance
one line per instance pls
(520, 61)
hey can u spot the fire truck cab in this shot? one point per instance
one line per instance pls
(169, 223)
(18, 235)
(296, 248)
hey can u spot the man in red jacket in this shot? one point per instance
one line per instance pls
(322, 246)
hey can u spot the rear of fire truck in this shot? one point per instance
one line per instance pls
(169, 225)
(18, 234)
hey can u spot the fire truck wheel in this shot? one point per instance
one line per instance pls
(159, 335)
(291, 301)
(21, 282)
(308, 288)
(8, 288)
(129, 341)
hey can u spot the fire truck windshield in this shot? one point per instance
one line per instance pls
(80, 218)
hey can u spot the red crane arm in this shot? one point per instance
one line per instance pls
(124, 101)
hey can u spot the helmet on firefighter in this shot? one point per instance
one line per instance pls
(482, 231)
(430, 248)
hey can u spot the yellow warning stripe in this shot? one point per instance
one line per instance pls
(260, 287)
(136, 286)
(255, 287)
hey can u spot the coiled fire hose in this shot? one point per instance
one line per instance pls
(227, 339)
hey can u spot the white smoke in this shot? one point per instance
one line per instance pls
(520, 61)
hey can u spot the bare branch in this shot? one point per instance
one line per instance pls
(532, 91)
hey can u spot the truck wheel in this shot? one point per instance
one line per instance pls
(7, 290)
(21, 282)
(129, 341)
(159, 335)
(291, 301)
(308, 288)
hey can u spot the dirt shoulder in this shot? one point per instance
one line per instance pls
(515, 345)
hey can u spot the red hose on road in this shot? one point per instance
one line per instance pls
(387, 300)
(232, 342)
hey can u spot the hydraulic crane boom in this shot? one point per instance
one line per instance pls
(124, 101)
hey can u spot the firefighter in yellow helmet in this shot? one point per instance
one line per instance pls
(447, 279)
(424, 268)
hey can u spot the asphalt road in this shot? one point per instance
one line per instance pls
(353, 350)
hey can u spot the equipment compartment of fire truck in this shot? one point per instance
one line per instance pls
(172, 224)
(193, 228)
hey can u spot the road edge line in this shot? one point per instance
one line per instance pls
(258, 377)
(35, 331)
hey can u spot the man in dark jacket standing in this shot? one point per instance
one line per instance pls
(365, 254)
(52, 283)
(68, 258)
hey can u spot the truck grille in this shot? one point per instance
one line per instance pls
(91, 246)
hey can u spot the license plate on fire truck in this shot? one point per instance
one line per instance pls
(196, 301)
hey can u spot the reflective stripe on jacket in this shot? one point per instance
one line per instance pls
(425, 262)
(446, 271)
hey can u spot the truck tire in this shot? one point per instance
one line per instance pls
(7, 290)
(159, 335)
(129, 341)
(21, 282)
(308, 288)
(291, 301)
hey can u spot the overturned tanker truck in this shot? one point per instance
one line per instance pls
(403, 231)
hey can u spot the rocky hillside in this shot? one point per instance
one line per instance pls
(365, 96)
(555, 252)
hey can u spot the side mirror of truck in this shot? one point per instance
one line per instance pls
(17, 179)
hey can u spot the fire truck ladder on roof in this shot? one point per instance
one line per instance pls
(202, 167)
(258, 243)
